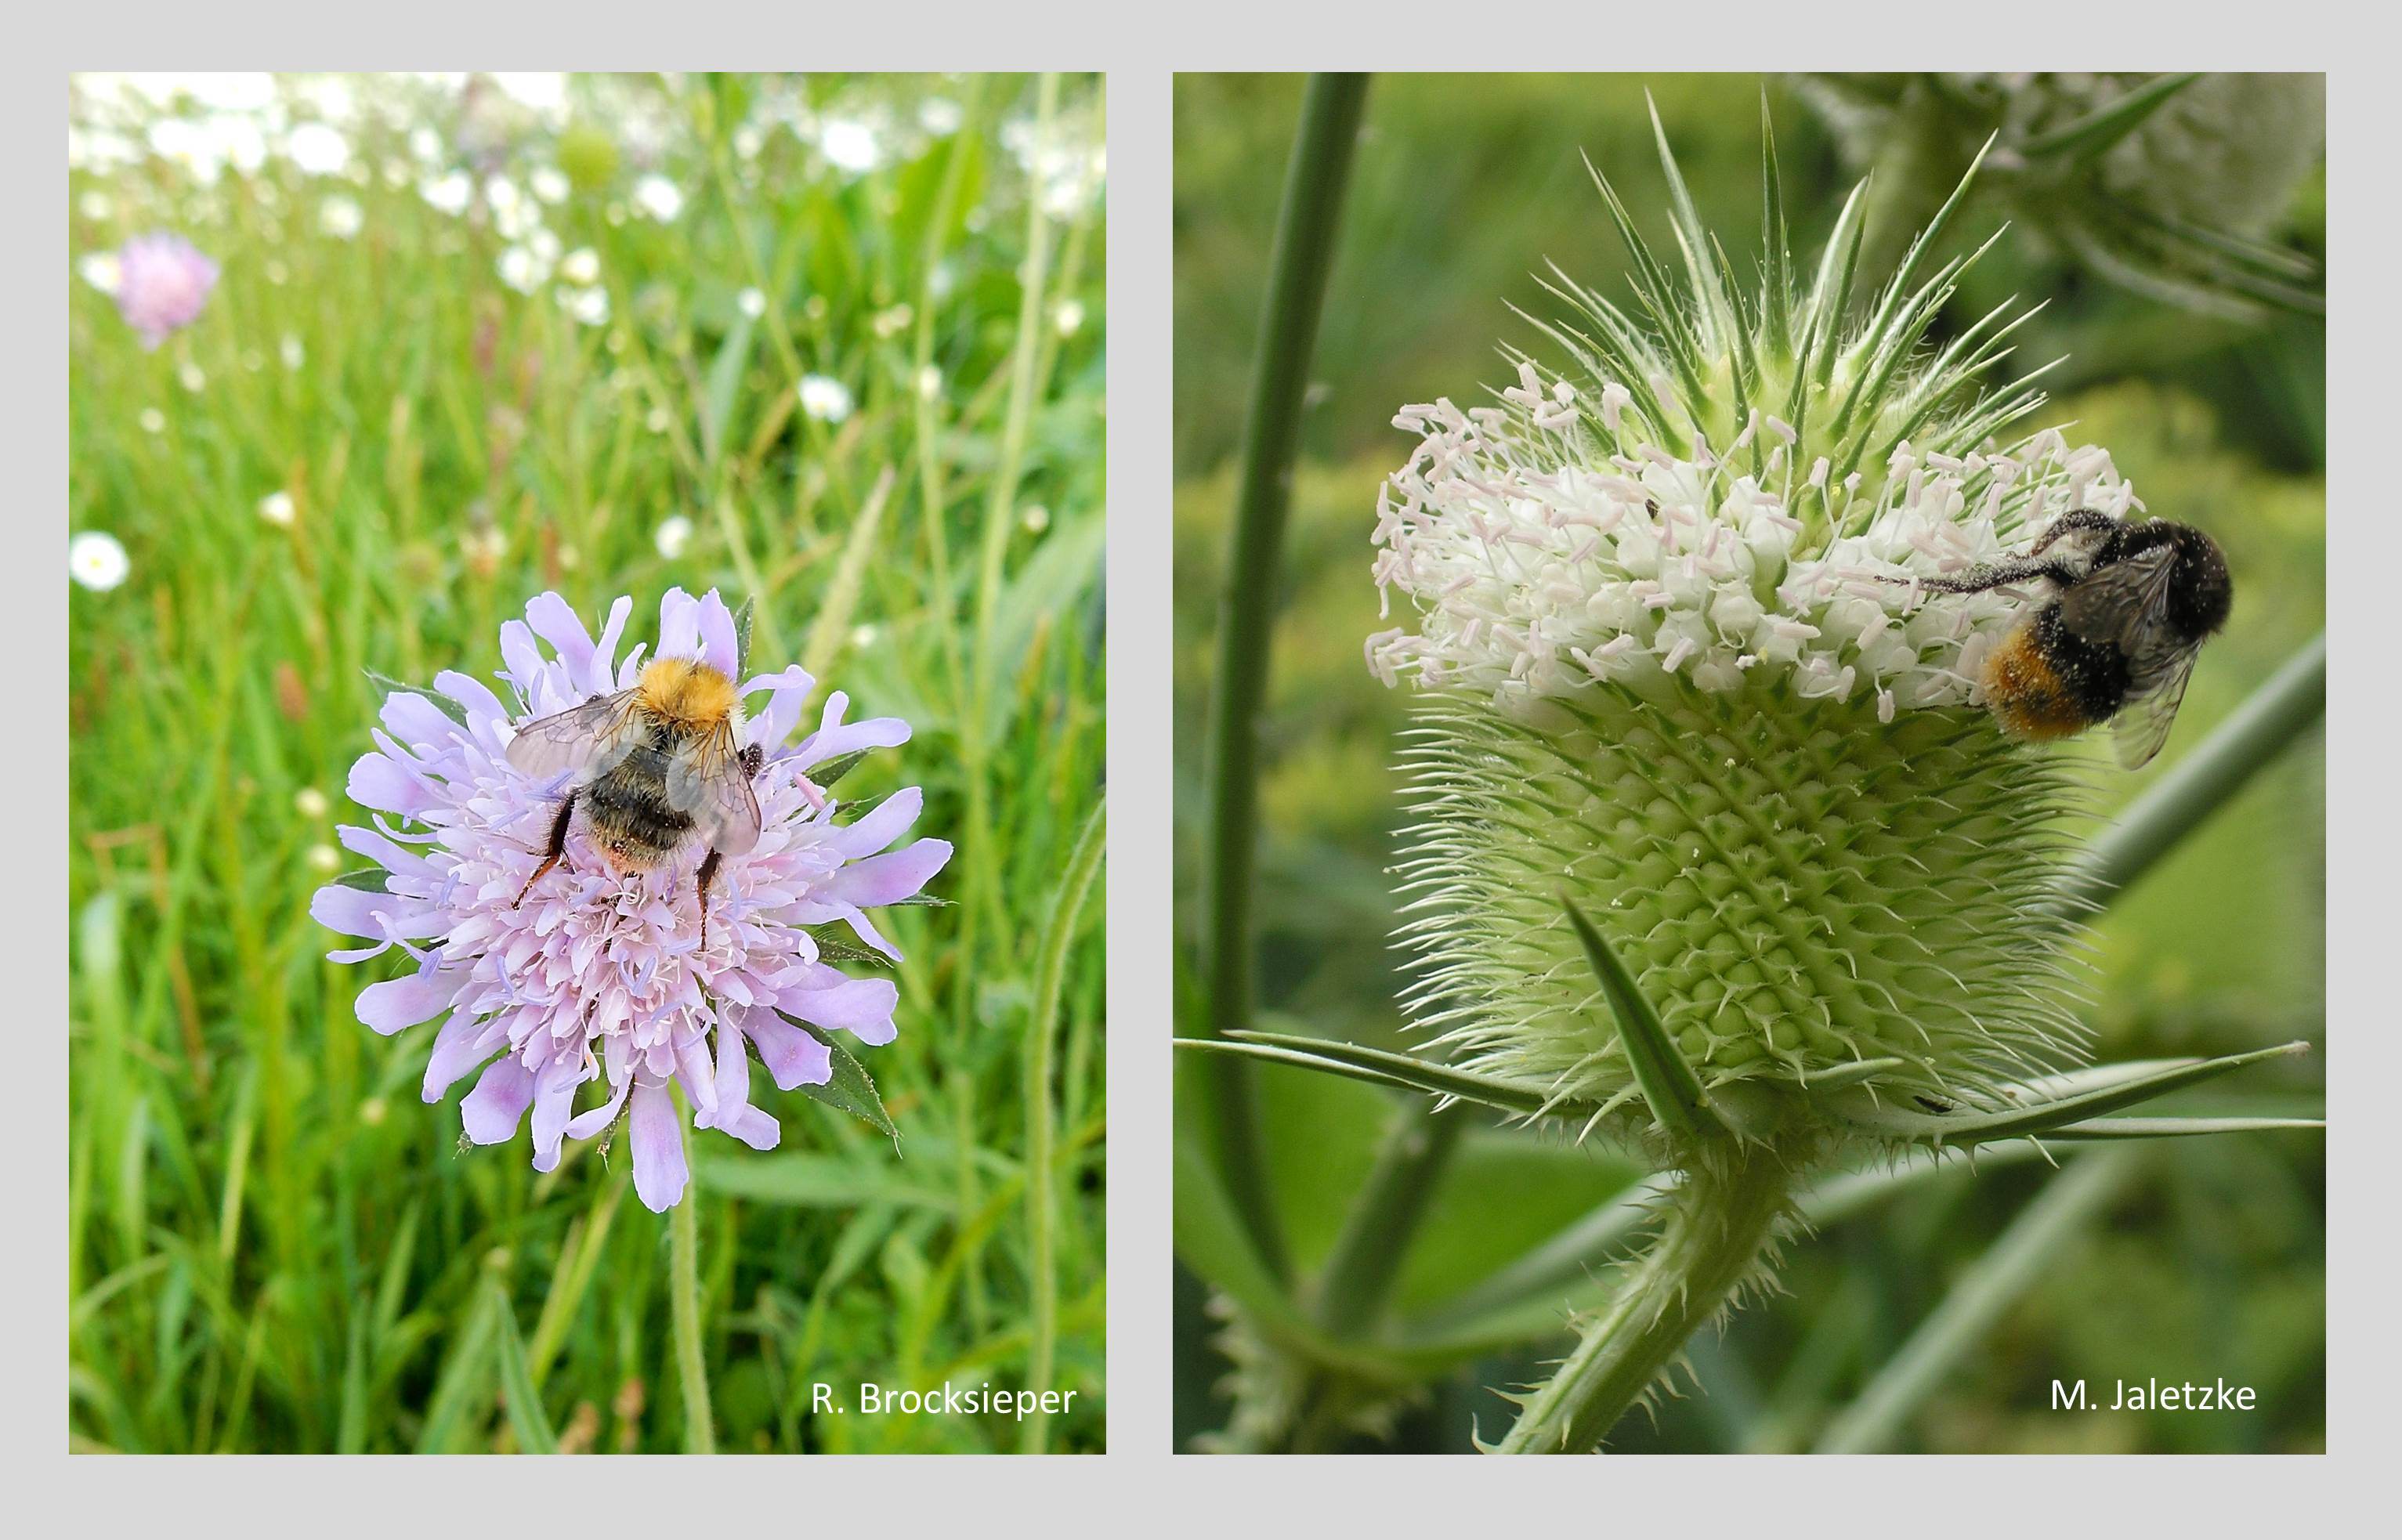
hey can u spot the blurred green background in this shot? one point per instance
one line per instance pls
(2209, 1260)
(825, 342)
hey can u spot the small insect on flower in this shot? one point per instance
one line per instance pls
(2131, 604)
(655, 767)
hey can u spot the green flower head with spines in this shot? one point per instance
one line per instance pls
(1677, 669)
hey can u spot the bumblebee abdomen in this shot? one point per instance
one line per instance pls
(2045, 681)
(629, 816)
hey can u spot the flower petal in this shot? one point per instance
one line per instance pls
(554, 1100)
(793, 1057)
(464, 1042)
(889, 878)
(717, 642)
(860, 1007)
(679, 625)
(659, 1172)
(396, 1003)
(756, 1129)
(890, 821)
(491, 1112)
(585, 1125)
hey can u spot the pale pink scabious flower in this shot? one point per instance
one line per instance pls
(600, 976)
(162, 285)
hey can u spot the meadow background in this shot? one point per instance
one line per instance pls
(2209, 1260)
(833, 343)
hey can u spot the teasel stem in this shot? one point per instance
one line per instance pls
(1297, 271)
(1719, 1219)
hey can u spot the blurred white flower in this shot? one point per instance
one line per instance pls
(825, 398)
(940, 116)
(549, 184)
(341, 217)
(324, 859)
(190, 376)
(276, 508)
(95, 204)
(850, 145)
(310, 804)
(426, 145)
(658, 198)
(1036, 518)
(893, 320)
(930, 382)
(581, 265)
(290, 351)
(522, 270)
(752, 303)
(1068, 317)
(97, 561)
(673, 536)
(543, 92)
(318, 149)
(589, 306)
(101, 270)
(153, 421)
(451, 192)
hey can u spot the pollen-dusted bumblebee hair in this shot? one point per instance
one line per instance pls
(687, 692)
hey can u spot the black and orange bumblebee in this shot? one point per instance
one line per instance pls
(2131, 603)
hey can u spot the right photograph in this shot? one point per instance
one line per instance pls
(1751, 820)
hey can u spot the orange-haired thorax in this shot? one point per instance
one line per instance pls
(2027, 694)
(689, 694)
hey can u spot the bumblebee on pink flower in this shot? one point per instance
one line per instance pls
(620, 877)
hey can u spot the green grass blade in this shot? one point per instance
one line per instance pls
(684, 1301)
(518, 1390)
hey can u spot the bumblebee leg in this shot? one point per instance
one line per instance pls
(1976, 580)
(558, 851)
(708, 872)
(2072, 521)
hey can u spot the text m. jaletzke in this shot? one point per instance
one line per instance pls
(2152, 1396)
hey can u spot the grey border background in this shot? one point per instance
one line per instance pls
(1138, 1484)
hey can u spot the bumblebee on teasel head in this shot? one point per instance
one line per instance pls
(653, 767)
(2131, 605)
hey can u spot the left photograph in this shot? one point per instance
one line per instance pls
(586, 738)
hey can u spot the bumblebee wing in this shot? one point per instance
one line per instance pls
(2141, 725)
(588, 739)
(2126, 605)
(708, 783)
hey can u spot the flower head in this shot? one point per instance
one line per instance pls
(96, 560)
(1665, 605)
(162, 285)
(599, 975)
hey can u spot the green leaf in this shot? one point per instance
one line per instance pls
(837, 944)
(524, 1402)
(816, 1181)
(850, 1089)
(822, 777)
(1376, 1066)
(2095, 133)
(724, 382)
(366, 879)
(2176, 1128)
(2056, 1113)
(1668, 1083)
(442, 703)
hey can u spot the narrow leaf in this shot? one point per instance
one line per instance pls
(1399, 1071)
(524, 1402)
(2045, 1117)
(1668, 1083)
(442, 703)
(2095, 133)
(850, 1089)
(366, 879)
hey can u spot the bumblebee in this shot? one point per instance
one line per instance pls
(2130, 607)
(654, 767)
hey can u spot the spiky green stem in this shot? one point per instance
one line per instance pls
(1718, 1221)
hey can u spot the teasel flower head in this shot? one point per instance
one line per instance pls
(598, 977)
(2169, 185)
(1660, 608)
